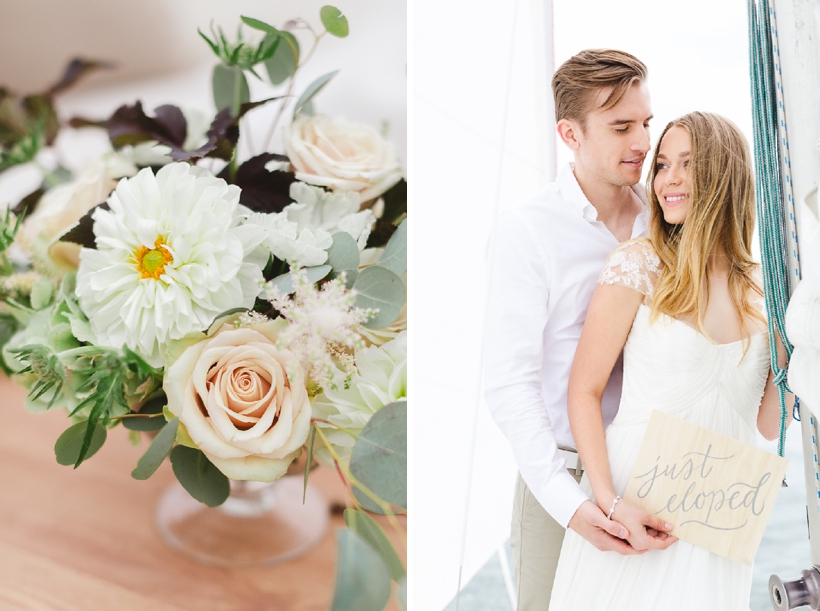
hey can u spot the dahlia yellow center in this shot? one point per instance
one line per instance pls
(151, 262)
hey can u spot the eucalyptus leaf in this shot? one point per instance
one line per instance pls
(314, 88)
(157, 451)
(258, 25)
(335, 23)
(199, 476)
(221, 319)
(285, 60)
(285, 282)
(394, 256)
(379, 459)
(228, 83)
(68, 445)
(369, 530)
(403, 592)
(378, 287)
(362, 579)
(343, 254)
(154, 406)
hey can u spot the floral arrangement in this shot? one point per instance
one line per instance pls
(243, 312)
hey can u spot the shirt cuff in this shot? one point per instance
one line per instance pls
(561, 497)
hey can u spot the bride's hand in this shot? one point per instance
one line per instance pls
(646, 532)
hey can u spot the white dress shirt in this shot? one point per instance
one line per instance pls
(546, 257)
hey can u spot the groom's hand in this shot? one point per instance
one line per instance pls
(607, 535)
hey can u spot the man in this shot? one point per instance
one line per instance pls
(546, 257)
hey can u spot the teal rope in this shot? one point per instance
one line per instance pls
(777, 279)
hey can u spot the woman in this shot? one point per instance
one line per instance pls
(686, 307)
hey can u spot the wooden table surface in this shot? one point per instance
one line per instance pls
(85, 540)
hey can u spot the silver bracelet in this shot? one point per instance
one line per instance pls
(612, 509)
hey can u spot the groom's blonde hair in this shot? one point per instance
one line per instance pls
(721, 214)
(578, 80)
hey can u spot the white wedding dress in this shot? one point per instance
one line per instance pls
(671, 367)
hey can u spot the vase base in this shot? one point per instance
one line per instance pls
(258, 524)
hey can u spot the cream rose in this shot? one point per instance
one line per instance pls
(238, 404)
(63, 206)
(334, 153)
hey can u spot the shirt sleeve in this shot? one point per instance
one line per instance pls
(513, 358)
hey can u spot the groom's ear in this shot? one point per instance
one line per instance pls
(568, 131)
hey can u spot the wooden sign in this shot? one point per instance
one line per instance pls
(717, 492)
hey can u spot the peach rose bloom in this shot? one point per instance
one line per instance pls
(241, 401)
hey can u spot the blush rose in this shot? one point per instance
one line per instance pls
(241, 401)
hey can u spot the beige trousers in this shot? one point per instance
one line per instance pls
(536, 543)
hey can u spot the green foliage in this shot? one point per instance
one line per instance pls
(403, 593)
(379, 459)
(312, 89)
(199, 476)
(154, 406)
(160, 448)
(230, 88)
(41, 294)
(394, 256)
(24, 150)
(241, 54)
(343, 254)
(335, 23)
(9, 226)
(107, 374)
(378, 287)
(285, 60)
(369, 530)
(70, 444)
(362, 579)
(285, 282)
(308, 461)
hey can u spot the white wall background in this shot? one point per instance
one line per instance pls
(696, 53)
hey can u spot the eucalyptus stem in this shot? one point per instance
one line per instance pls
(286, 98)
(136, 416)
(383, 505)
(335, 426)
(237, 104)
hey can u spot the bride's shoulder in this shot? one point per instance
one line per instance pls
(637, 253)
(633, 264)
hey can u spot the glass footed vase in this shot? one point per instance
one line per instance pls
(260, 523)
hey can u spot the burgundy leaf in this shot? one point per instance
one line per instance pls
(28, 204)
(83, 232)
(76, 69)
(264, 191)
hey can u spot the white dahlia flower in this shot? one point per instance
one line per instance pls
(170, 257)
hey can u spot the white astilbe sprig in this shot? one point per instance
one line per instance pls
(323, 327)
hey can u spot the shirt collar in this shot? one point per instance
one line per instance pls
(574, 195)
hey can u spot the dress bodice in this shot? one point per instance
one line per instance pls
(672, 367)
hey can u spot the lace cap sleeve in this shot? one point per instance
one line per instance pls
(633, 264)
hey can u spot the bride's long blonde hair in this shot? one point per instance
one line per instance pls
(721, 213)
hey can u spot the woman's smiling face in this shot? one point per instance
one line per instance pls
(672, 182)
